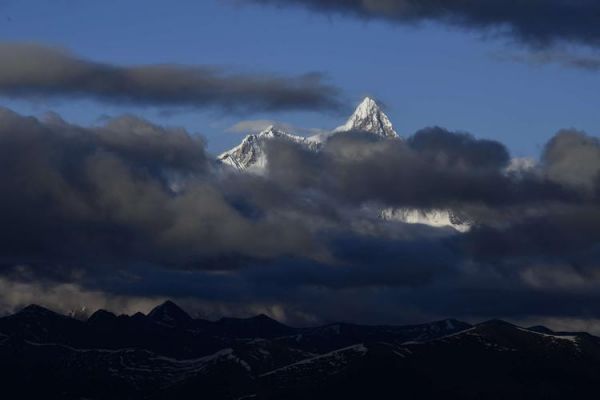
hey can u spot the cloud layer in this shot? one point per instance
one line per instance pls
(128, 211)
(34, 71)
(533, 22)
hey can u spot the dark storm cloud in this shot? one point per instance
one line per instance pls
(534, 22)
(129, 212)
(127, 191)
(434, 168)
(459, 147)
(558, 231)
(31, 71)
(565, 233)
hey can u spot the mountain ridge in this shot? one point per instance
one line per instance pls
(140, 357)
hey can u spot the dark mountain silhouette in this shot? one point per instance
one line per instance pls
(167, 354)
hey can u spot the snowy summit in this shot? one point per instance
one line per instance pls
(369, 117)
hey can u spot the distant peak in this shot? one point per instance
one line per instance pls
(368, 117)
(169, 313)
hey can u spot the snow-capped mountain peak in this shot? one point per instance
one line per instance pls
(369, 117)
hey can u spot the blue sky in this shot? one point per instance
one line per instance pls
(427, 75)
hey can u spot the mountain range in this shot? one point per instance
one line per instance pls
(167, 354)
(250, 156)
